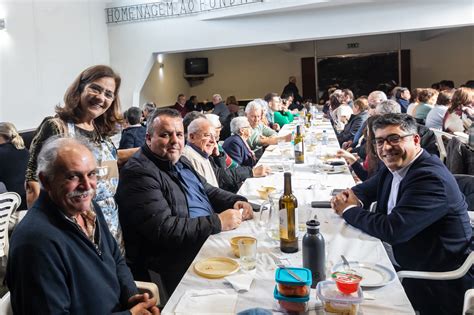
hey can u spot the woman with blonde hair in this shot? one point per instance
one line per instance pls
(91, 110)
(13, 159)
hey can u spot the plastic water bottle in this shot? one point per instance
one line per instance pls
(314, 254)
(325, 137)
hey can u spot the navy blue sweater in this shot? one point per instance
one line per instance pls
(53, 268)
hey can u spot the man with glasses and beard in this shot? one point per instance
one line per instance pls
(63, 257)
(421, 214)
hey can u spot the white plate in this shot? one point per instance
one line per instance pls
(336, 171)
(331, 169)
(373, 275)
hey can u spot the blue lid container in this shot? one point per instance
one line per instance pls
(282, 276)
(295, 299)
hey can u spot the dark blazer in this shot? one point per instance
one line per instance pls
(352, 127)
(132, 137)
(235, 147)
(428, 228)
(153, 212)
(229, 179)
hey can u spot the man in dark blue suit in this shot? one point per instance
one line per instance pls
(421, 214)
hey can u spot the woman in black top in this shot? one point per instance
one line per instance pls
(13, 159)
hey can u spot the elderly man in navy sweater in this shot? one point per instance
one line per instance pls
(63, 258)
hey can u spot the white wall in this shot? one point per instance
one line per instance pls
(251, 72)
(45, 46)
(164, 84)
(48, 42)
(441, 56)
(245, 72)
(131, 44)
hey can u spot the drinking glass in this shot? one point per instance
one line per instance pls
(269, 218)
(288, 166)
(323, 180)
(304, 214)
(248, 253)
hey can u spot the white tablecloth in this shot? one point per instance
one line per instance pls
(340, 238)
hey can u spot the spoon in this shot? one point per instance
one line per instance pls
(345, 263)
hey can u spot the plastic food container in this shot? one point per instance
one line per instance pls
(347, 282)
(289, 286)
(336, 302)
(291, 304)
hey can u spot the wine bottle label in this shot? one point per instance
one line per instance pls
(283, 223)
(299, 147)
(297, 220)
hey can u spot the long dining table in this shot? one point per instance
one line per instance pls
(309, 183)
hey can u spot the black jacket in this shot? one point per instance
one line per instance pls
(229, 179)
(351, 127)
(153, 211)
(132, 137)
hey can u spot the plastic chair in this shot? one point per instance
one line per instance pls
(9, 202)
(440, 142)
(468, 308)
(150, 288)
(143, 287)
(446, 275)
(5, 305)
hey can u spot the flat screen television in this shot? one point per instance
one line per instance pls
(196, 66)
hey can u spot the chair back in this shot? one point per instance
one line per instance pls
(9, 202)
(440, 142)
(468, 308)
(150, 288)
(443, 275)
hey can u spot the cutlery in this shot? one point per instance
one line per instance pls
(290, 272)
(345, 263)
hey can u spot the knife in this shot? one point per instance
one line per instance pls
(290, 272)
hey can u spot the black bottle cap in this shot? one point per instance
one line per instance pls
(312, 224)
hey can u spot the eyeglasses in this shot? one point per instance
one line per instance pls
(96, 89)
(392, 139)
(208, 135)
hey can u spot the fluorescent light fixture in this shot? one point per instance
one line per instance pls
(2, 24)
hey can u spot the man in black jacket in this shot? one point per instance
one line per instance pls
(292, 89)
(166, 209)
